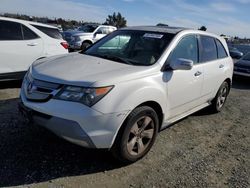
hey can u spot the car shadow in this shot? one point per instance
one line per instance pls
(10, 84)
(240, 82)
(31, 154)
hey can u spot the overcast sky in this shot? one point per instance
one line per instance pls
(231, 17)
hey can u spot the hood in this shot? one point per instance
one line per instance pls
(84, 70)
(82, 34)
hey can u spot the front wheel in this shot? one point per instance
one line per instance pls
(137, 135)
(221, 97)
(85, 45)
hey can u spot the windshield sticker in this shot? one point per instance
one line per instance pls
(153, 35)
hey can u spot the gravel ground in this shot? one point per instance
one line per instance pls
(203, 150)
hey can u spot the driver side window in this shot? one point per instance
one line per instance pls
(102, 30)
(187, 48)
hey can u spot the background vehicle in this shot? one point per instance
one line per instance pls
(23, 42)
(242, 67)
(235, 53)
(128, 86)
(87, 35)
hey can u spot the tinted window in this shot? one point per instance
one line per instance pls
(207, 49)
(52, 32)
(10, 31)
(221, 50)
(28, 34)
(187, 48)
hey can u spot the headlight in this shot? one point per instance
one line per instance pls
(87, 96)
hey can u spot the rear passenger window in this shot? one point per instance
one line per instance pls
(28, 34)
(221, 50)
(208, 51)
(187, 48)
(52, 32)
(10, 31)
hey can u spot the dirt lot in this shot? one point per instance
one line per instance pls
(202, 150)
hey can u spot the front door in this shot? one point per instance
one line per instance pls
(184, 86)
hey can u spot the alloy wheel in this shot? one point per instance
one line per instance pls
(141, 135)
(222, 97)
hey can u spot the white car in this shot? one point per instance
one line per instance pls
(128, 86)
(89, 35)
(23, 42)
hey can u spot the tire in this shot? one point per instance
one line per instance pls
(220, 98)
(85, 45)
(136, 136)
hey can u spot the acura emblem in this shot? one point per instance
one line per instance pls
(31, 88)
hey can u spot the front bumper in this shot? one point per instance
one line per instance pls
(75, 122)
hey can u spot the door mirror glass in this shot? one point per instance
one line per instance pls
(182, 64)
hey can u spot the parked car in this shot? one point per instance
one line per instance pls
(235, 53)
(88, 36)
(123, 89)
(242, 67)
(23, 42)
(67, 35)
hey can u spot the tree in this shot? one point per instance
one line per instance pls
(203, 28)
(116, 20)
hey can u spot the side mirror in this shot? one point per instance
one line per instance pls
(182, 64)
(97, 33)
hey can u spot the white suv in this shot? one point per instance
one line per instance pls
(89, 35)
(23, 42)
(127, 87)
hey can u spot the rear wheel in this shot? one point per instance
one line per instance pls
(137, 135)
(221, 97)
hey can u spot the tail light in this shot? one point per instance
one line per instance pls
(65, 45)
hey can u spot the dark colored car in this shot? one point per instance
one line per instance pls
(242, 67)
(235, 53)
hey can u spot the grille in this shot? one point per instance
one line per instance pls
(40, 91)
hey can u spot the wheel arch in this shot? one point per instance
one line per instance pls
(229, 81)
(87, 41)
(157, 108)
(154, 105)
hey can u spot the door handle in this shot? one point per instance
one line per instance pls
(221, 66)
(32, 44)
(198, 73)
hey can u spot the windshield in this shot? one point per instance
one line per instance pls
(131, 47)
(246, 57)
(88, 28)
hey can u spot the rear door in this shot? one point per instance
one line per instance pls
(19, 47)
(184, 86)
(212, 55)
